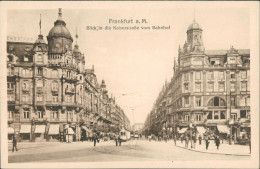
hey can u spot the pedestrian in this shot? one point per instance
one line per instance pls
(95, 139)
(194, 140)
(200, 138)
(217, 141)
(116, 140)
(119, 140)
(174, 139)
(207, 142)
(186, 141)
(15, 143)
(181, 138)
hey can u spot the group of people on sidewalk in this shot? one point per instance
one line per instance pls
(192, 139)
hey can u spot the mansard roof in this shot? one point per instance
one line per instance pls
(243, 52)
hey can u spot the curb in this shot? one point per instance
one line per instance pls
(214, 153)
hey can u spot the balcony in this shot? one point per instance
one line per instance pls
(10, 102)
(54, 90)
(10, 91)
(69, 91)
(25, 90)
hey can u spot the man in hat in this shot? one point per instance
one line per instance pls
(14, 143)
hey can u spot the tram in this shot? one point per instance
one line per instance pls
(124, 135)
(136, 134)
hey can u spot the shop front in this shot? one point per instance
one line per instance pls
(54, 132)
(10, 134)
(39, 133)
(25, 132)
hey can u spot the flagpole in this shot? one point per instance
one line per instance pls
(40, 24)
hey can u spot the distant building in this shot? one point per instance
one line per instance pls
(210, 89)
(137, 126)
(51, 94)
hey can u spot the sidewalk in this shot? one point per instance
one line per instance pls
(41, 147)
(226, 149)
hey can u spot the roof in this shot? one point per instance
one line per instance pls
(19, 49)
(224, 52)
(194, 25)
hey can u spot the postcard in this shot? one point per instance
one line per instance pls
(129, 84)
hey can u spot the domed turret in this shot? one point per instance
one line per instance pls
(76, 51)
(194, 25)
(40, 40)
(59, 37)
(40, 45)
(194, 38)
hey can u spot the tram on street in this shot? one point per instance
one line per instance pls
(124, 135)
(136, 134)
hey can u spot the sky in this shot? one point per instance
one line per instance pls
(136, 63)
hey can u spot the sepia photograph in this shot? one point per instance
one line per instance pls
(121, 84)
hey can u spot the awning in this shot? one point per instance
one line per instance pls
(246, 125)
(201, 130)
(70, 131)
(54, 129)
(87, 130)
(40, 129)
(223, 129)
(25, 129)
(10, 130)
(183, 130)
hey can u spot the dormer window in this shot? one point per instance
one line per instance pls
(26, 58)
(232, 61)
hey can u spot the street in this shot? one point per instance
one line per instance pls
(133, 150)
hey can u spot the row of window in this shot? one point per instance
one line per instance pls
(40, 114)
(221, 75)
(218, 115)
(217, 101)
(221, 87)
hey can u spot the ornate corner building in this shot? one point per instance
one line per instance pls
(209, 89)
(51, 94)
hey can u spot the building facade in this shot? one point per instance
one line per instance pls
(210, 89)
(52, 95)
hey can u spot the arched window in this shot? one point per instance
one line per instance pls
(216, 102)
